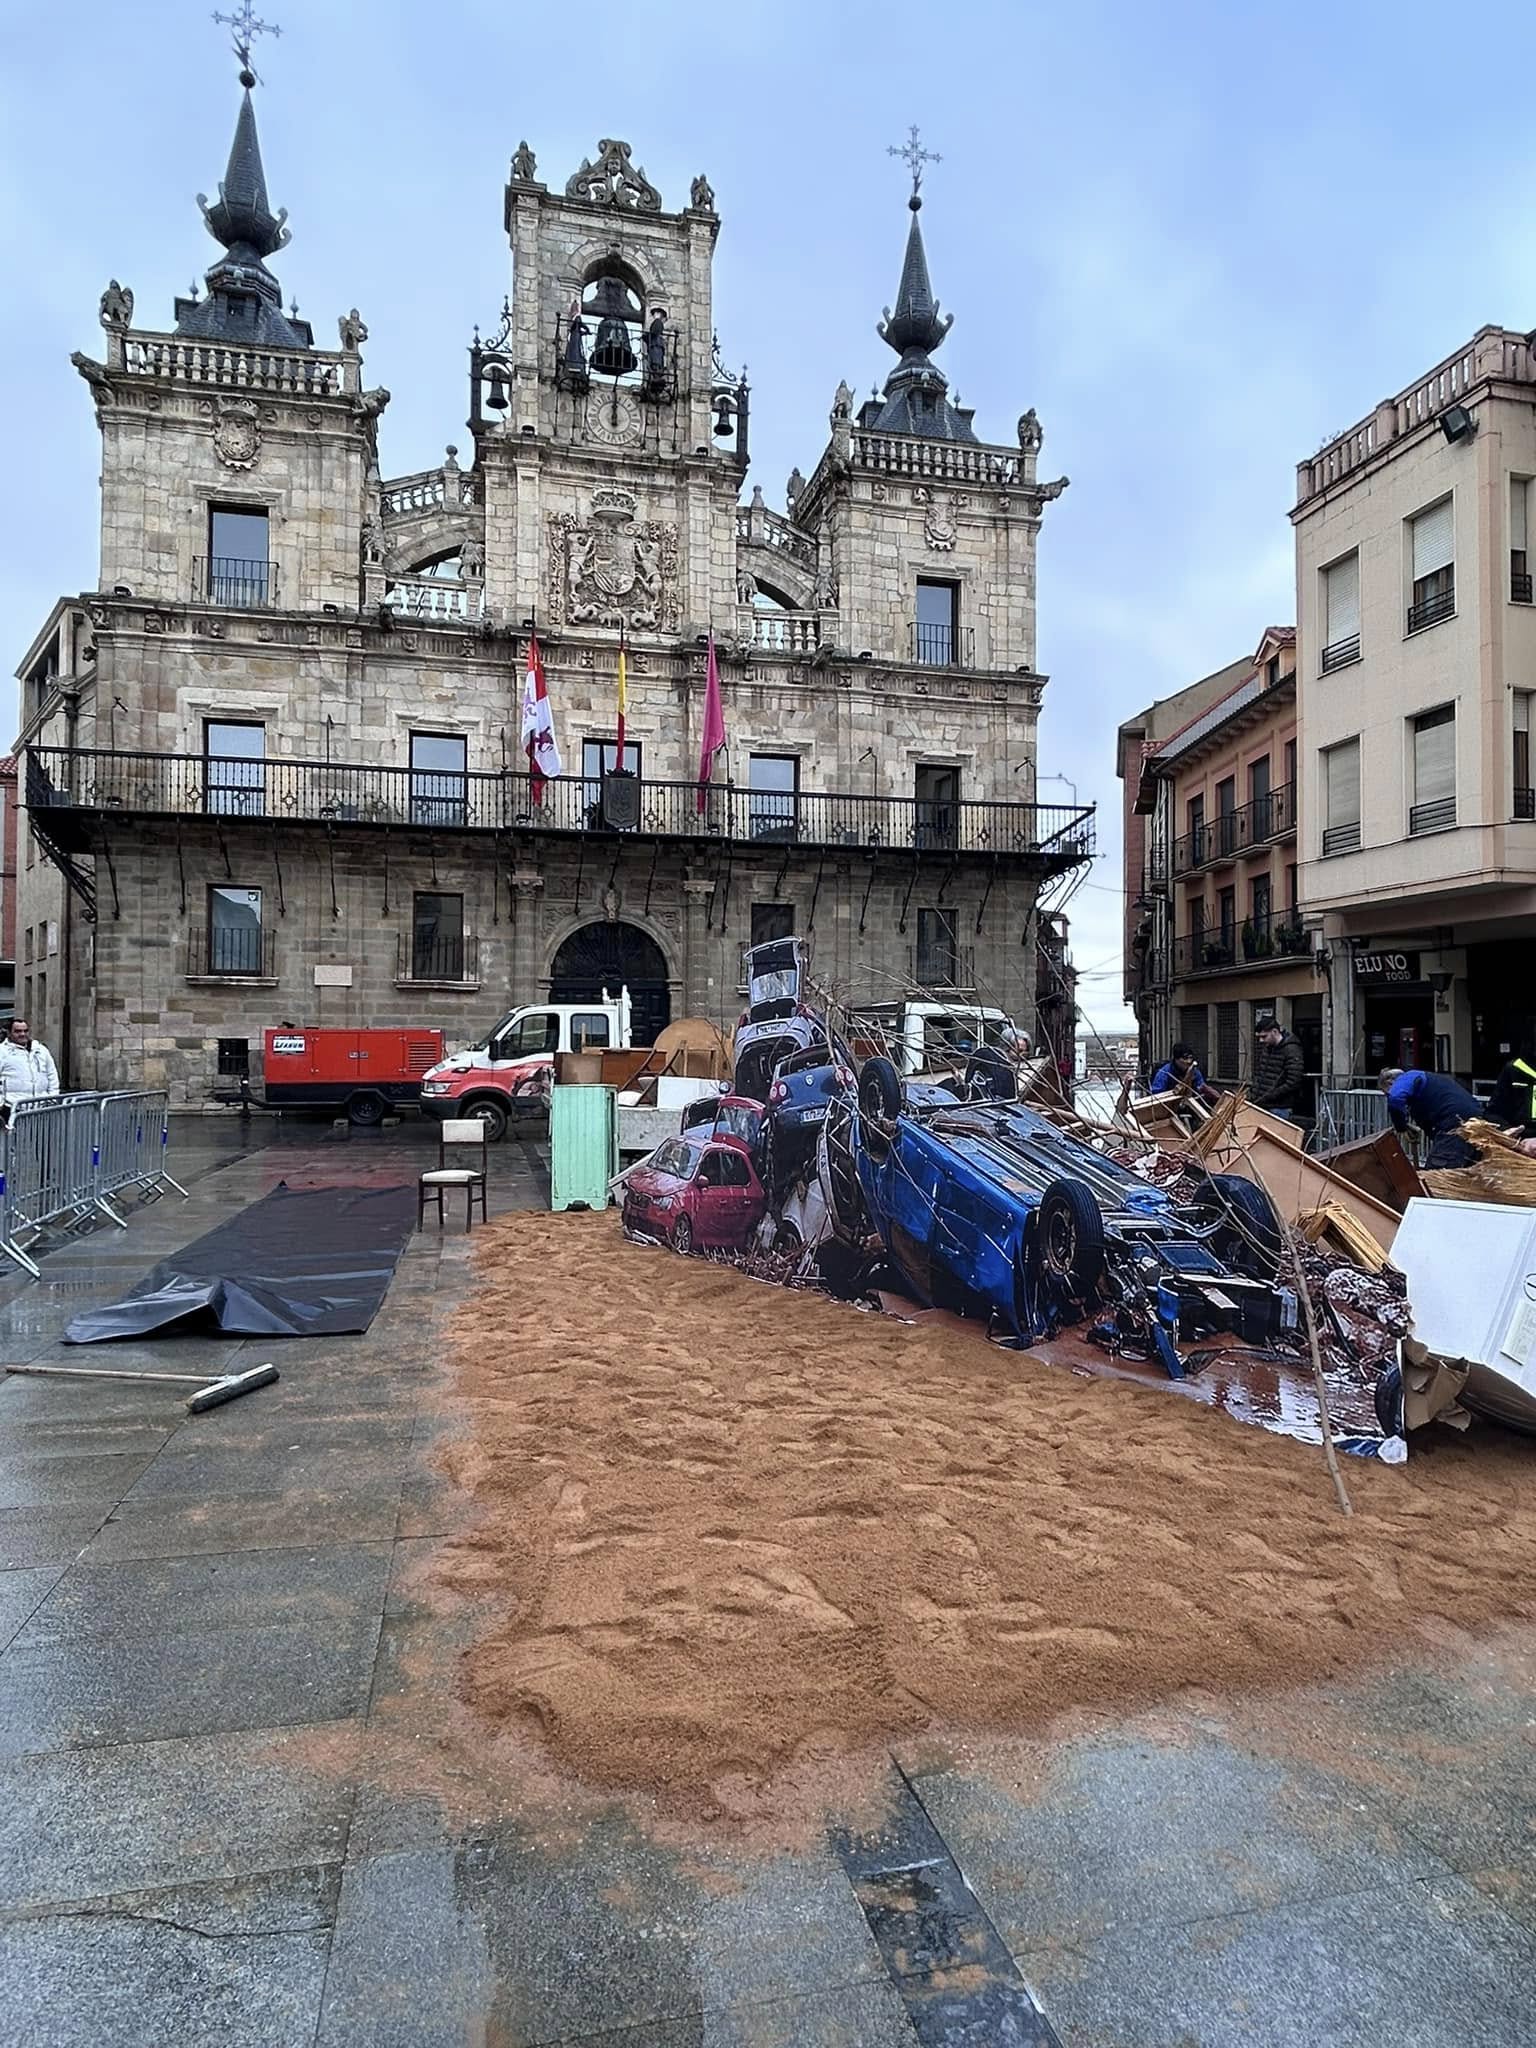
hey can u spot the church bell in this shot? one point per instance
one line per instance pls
(612, 355)
(496, 395)
(722, 416)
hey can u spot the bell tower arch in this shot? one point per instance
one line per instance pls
(605, 429)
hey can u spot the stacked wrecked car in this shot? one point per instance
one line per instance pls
(948, 1191)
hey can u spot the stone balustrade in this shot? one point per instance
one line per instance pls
(296, 372)
(435, 597)
(958, 462)
(756, 526)
(406, 497)
(783, 632)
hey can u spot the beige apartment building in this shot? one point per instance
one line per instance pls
(1215, 944)
(1416, 663)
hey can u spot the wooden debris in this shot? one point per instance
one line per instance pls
(1380, 1166)
(1335, 1227)
(1503, 1174)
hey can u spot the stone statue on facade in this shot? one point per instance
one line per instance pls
(613, 180)
(1031, 433)
(842, 401)
(525, 164)
(116, 307)
(746, 586)
(472, 560)
(701, 195)
(793, 488)
(353, 331)
(375, 546)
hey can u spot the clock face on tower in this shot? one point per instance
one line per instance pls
(613, 417)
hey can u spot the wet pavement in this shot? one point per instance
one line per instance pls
(201, 1617)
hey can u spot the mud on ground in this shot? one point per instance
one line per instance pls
(728, 1532)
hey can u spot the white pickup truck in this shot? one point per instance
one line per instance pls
(920, 1037)
(510, 1071)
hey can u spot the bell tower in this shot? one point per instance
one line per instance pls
(610, 439)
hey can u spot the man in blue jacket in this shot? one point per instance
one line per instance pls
(1438, 1105)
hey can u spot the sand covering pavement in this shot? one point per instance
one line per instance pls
(725, 1530)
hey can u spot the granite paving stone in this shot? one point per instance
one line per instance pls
(328, 1588)
(177, 1525)
(1423, 1965)
(33, 1536)
(141, 1688)
(80, 1824)
(1129, 1831)
(28, 1481)
(22, 1593)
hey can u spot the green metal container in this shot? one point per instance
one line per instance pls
(583, 1146)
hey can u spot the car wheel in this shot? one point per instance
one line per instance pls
(788, 1239)
(365, 1110)
(840, 1178)
(1069, 1236)
(682, 1236)
(1250, 1240)
(486, 1110)
(880, 1091)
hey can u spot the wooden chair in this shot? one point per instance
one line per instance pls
(461, 1132)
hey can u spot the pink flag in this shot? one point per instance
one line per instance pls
(714, 726)
(539, 742)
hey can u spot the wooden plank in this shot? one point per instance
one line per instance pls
(1301, 1186)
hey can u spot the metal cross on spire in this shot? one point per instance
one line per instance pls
(916, 156)
(244, 28)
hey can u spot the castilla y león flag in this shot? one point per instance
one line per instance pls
(539, 742)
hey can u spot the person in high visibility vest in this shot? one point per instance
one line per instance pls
(1513, 1101)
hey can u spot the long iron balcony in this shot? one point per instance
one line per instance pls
(71, 790)
(1255, 824)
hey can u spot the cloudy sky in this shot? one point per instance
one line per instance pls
(1198, 238)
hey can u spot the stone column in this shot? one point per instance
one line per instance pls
(699, 949)
(526, 948)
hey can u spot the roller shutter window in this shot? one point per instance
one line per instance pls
(1341, 605)
(1519, 523)
(1434, 770)
(1433, 547)
(1341, 797)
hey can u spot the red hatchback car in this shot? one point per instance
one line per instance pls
(696, 1192)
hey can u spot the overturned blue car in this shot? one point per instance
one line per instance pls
(990, 1209)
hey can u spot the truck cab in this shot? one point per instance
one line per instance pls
(925, 1037)
(508, 1073)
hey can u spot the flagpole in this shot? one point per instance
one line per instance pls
(618, 761)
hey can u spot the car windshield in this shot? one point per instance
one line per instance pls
(676, 1158)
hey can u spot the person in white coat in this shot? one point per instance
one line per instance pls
(26, 1068)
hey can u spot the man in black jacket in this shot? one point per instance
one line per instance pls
(1513, 1100)
(1280, 1079)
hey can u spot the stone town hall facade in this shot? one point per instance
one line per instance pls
(273, 768)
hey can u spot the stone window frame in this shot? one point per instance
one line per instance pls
(239, 496)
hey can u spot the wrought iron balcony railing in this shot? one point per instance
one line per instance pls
(231, 580)
(1525, 802)
(1259, 823)
(1341, 839)
(239, 952)
(1436, 817)
(440, 956)
(1270, 942)
(1341, 653)
(69, 789)
(1429, 611)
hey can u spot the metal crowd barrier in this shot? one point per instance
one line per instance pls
(62, 1159)
(1345, 1115)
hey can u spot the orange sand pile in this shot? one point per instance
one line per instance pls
(731, 1529)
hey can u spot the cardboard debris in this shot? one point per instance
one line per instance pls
(1337, 1228)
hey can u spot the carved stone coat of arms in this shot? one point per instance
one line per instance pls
(612, 569)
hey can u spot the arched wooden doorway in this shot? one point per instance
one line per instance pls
(612, 956)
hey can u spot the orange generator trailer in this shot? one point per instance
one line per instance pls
(365, 1073)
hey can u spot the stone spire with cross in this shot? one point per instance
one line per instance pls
(916, 399)
(245, 301)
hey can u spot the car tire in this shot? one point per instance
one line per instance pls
(787, 1239)
(366, 1109)
(880, 1103)
(839, 1174)
(682, 1236)
(1251, 1239)
(485, 1109)
(1069, 1236)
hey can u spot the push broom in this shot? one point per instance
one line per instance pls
(210, 1393)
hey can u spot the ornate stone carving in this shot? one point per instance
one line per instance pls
(613, 570)
(472, 561)
(878, 493)
(525, 165)
(701, 195)
(117, 307)
(793, 488)
(842, 401)
(613, 181)
(236, 436)
(353, 330)
(375, 545)
(1031, 433)
(939, 529)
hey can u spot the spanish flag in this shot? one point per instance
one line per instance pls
(623, 702)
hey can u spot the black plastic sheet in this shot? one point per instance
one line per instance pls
(301, 1262)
